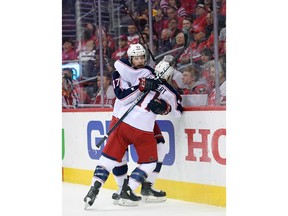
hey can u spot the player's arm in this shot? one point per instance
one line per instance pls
(123, 90)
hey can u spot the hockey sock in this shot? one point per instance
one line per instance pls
(153, 176)
(103, 169)
(120, 174)
(139, 174)
(161, 152)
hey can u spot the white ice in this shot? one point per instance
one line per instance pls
(73, 205)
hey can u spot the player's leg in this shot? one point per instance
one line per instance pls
(100, 176)
(120, 174)
(146, 148)
(147, 191)
(138, 175)
(111, 155)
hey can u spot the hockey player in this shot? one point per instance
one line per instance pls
(148, 193)
(133, 78)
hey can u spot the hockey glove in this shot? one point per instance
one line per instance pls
(159, 106)
(146, 84)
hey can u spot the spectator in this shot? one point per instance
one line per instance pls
(189, 6)
(122, 48)
(146, 39)
(142, 18)
(86, 35)
(165, 43)
(107, 51)
(108, 91)
(147, 31)
(176, 4)
(208, 6)
(110, 65)
(87, 58)
(108, 38)
(198, 44)
(90, 26)
(156, 4)
(181, 12)
(199, 22)
(222, 85)
(68, 52)
(193, 81)
(185, 57)
(164, 5)
(70, 98)
(172, 14)
(83, 97)
(208, 29)
(187, 27)
(206, 57)
(174, 29)
(222, 7)
(133, 37)
(159, 22)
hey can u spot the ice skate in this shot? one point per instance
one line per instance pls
(92, 194)
(151, 195)
(127, 196)
(116, 196)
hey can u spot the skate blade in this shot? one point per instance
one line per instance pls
(87, 203)
(126, 202)
(153, 199)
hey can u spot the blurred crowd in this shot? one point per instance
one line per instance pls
(195, 69)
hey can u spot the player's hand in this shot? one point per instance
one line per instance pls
(146, 84)
(159, 106)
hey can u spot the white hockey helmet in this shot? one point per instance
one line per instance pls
(161, 66)
(136, 50)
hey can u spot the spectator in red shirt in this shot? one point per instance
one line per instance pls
(172, 14)
(110, 41)
(108, 90)
(68, 51)
(132, 37)
(122, 49)
(193, 81)
(189, 6)
(199, 22)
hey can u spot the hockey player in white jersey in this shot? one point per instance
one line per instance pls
(133, 78)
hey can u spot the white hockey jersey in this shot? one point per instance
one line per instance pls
(125, 83)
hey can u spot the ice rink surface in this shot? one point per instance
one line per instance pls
(73, 205)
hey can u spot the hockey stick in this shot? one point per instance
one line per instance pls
(137, 100)
(140, 34)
